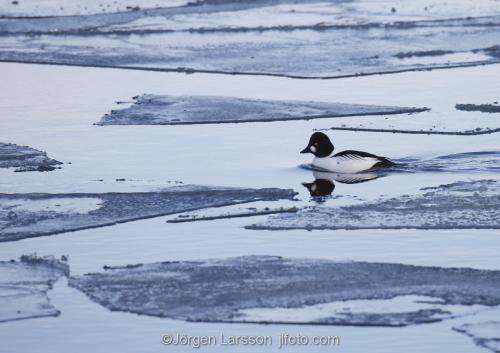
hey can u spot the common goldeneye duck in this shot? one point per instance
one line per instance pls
(342, 162)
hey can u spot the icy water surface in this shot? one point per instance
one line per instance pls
(311, 39)
(56, 114)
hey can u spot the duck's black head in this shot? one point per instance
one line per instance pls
(319, 145)
(320, 187)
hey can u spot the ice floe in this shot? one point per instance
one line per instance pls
(249, 212)
(25, 158)
(484, 108)
(484, 334)
(271, 289)
(460, 205)
(173, 110)
(32, 215)
(24, 285)
(322, 54)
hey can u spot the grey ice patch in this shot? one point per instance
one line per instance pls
(151, 109)
(484, 108)
(33, 215)
(484, 334)
(25, 158)
(412, 54)
(183, 218)
(247, 289)
(461, 205)
(24, 285)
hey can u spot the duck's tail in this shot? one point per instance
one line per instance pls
(384, 163)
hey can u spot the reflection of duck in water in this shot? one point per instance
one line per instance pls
(320, 187)
(323, 184)
(343, 162)
(345, 178)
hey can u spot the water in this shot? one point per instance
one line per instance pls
(55, 113)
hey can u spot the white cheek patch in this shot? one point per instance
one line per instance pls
(313, 148)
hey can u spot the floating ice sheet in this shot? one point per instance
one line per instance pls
(32, 215)
(484, 334)
(484, 108)
(250, 212)
(462, 205)
(173, 110)
(25, 158)
(324, 38)
(24, 285)
(270, 289)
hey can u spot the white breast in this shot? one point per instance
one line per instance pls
(344, 164)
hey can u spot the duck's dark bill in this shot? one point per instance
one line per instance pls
(306, 150)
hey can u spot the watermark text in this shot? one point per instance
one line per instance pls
(280, 340)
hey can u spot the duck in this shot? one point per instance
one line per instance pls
(347, 162)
